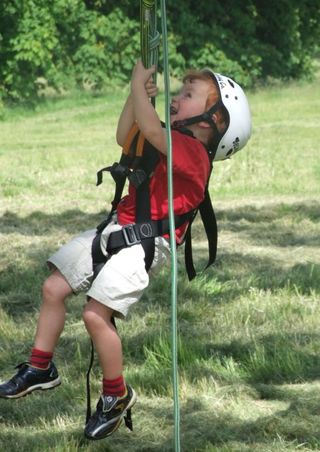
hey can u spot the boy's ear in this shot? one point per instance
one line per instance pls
(206, 125)
(203, 124)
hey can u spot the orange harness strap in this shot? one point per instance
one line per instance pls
(129, 140)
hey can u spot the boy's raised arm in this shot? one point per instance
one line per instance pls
(125, 122)
(143, 111)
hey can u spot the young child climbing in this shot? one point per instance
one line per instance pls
(210, 120)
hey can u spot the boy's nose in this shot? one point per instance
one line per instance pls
(174, 101)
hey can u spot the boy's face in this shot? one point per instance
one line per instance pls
(191, 101)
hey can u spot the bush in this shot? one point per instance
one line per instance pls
(90, 42)
(110, 45)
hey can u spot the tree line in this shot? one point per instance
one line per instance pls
(67, 43)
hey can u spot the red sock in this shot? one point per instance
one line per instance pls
(114, 387)
(40, 359)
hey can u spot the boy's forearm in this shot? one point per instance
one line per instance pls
(125, 122)
(147, 117)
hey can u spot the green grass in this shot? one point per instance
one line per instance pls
(249, 335)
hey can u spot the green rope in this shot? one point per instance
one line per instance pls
(174, 272)
(150, 39)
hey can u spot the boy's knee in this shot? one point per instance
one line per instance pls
(87, 315)
(55, 288)
(48, 289)
(90, 318)
(95, 315)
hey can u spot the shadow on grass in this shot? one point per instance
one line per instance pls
(250, 270)
(45, 405)
(249, 218)
(278, 225)
(263, 273)
(295, 424)
(270, 212)
(201, 425)
(272, 358)
(37, 440)
(233, 275)
(39, 223)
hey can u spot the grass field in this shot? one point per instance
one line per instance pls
(249, 334)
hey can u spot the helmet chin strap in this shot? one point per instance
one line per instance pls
(206, 117)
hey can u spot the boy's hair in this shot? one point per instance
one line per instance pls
(213, 97)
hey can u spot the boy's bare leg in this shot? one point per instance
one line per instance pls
(40, 372)
(117, 398)
(52, 312)
(97, 318)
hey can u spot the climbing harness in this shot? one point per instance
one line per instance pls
(138, 164)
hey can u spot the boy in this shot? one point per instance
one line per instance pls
(210, 120)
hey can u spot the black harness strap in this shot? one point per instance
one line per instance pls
(88, 414)
(209, 221)
(132, 234)
(210, 225)
(148, 162)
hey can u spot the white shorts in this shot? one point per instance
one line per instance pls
(121, 281)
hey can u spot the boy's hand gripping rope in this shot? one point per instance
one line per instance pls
(149, 35)
(149, 42)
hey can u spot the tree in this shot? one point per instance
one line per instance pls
(69, 42)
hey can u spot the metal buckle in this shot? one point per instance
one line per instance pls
(130, 236)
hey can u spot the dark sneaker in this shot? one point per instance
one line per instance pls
(109, 414)
(27, 379)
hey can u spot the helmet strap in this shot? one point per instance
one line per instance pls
(206, 116)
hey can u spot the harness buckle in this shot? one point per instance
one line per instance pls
(130, 236)
(136, 177)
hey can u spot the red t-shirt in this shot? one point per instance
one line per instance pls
(191, 170)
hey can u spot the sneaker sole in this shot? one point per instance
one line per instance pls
(118, 421)
(41, 386)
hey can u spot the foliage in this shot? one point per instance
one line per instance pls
(93, 42)
(252, 39)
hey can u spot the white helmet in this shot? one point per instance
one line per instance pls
(238, 130)
(235, 101)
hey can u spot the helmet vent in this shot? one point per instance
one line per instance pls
(236, 97)
(229, 152)
(231, 83)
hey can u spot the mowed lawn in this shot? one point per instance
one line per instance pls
(248, 328)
